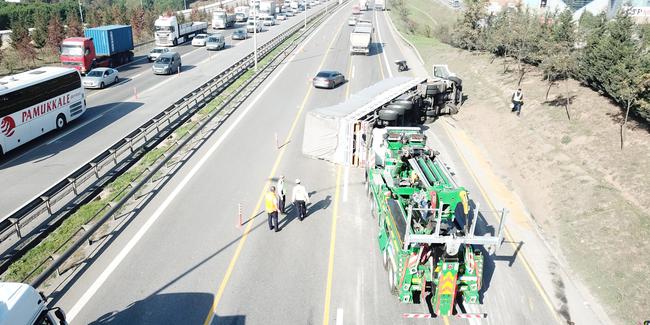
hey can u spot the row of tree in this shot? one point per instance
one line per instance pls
(611, 56)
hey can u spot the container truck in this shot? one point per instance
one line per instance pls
(22, 304)
(356, 10)
(170, 33)
(268, 7)
(242, 13)
(360, 39)
(222, 19)
(104, 46)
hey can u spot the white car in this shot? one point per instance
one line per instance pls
(281, 16)
(199, 40)
(156, 52)
(250, 26)
(315, 2)
(268, 20)
(352, 21)
(100, 78)
(289, 13)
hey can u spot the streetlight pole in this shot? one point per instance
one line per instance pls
(305, 7)
(255, 38)
(81, 14)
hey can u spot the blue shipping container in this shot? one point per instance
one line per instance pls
(111, 39)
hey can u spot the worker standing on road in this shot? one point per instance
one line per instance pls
(299, 197)
(281, 194)
(517, 101)
(271, 203)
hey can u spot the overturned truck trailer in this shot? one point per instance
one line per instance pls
(339, 133)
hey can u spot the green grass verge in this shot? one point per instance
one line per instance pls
(20, 270)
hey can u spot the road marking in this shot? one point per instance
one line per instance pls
(330, 264)
(346, 178)
(352, 73)
(233, 261)
(339, 316)
(90, 292)
(383, 49)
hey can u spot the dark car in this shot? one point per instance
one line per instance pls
(328, 79)
(240, 34)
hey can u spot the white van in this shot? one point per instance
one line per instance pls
(23, 305)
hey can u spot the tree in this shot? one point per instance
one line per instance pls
(469, 28)
(19, 32)
(41, 20)
(74, 27)
(136, 18)
(118, 13)
(55, 34)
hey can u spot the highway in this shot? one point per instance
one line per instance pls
(114, 112)
(184, 260)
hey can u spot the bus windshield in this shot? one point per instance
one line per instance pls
(72, 50)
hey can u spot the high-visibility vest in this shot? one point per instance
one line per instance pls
(518, 96)
(271, 202)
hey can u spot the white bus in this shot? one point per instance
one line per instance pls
(35, 102)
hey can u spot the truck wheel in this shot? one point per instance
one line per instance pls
(60, 121)
(384, 258)
(175, 42)
(388, 115)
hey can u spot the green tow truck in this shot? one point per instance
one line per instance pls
(426, 227)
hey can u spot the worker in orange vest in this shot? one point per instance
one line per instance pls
(271, 203)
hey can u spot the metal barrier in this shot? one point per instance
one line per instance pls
(86, 182)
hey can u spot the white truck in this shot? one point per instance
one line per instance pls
(222, 19)
(23, 305)
(294, 5)
(360, 40)
(380, 5)
(268, 7)
(363, 4)
(170, 33)
(242, 13)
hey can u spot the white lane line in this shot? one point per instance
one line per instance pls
(352, 73)
(346, 178)
(94, 287)
(383, 48)
(339, 316)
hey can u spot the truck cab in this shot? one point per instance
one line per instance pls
(78, 53)
(23, 305)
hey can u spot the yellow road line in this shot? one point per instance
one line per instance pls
(330, 264)
(247, 230)
(507, 232)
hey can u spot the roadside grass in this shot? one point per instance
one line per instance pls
(590, 198)
(27, 268)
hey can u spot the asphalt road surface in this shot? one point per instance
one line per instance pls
(114, 112)
(183, 260)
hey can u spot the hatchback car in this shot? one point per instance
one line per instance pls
(100, 78)
(251, 26)
(328, 79)
(240, 34)
(268, 20)
(289, 13)
(281, 16)
(156, 52)
(352, 21)
(199, 40)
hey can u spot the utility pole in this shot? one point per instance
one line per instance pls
(185, 3)
(305, 7)
(81, 14)
(255, 38)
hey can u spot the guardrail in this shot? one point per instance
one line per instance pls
(121, 156)
(61, 200)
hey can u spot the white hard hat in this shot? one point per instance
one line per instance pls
(297, 180)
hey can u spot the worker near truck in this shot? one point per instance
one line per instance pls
(300, 197)
(271, 203)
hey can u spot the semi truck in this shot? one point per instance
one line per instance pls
(360, 40)
(267, 7)
(104, 46)
(426, 225)
(380, 5)
(242, 13)
(222, 19)
(363, 4)
(170, 33)
(23, 305)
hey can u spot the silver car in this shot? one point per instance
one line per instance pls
(156, 52)
(328, 79)
(100, 78)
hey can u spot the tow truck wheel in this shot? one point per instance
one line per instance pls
(384, 258)
(392, 285)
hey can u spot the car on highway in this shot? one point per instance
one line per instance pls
(100, 78)
(315, 2)
(281, 16)
(216, 42)
(289, 13)
(352, 21)
(268, 20)
(240, 34)
(156, 52)
(199, 40)
(167, 63)
(253, 26)
(328, 79)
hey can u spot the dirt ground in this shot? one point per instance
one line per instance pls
(590, 198)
